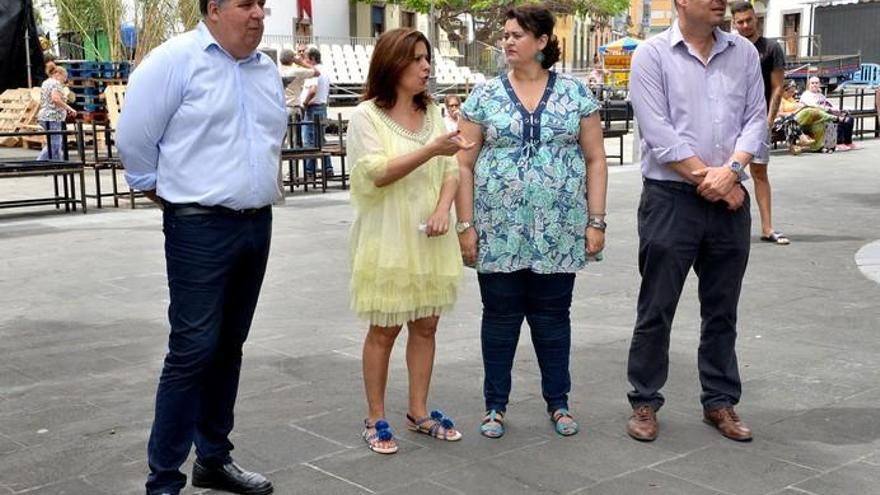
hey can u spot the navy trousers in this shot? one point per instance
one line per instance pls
(215, 265)
(679, 230)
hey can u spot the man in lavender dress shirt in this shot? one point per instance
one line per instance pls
(698, 96)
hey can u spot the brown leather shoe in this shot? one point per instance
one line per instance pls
(642, 425)
(728, 423)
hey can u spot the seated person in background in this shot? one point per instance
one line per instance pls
(811, 119)
(294, 73)
(597, 74)
(814, 97)
(453, 104)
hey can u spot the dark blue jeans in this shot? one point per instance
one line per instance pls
(309, 138)
(544, 301)
(215, 265)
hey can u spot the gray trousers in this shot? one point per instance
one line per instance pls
(678, 230)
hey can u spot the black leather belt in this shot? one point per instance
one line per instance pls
(189, 209)
(672, 184)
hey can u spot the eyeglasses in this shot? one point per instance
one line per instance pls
(453, 105)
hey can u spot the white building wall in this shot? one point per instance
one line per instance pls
(280, 17)
(331, 18)
(773, 20)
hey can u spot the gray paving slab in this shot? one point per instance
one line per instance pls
(310, 480)
(74, 486)
(82, 321)
(858, 477)
(737, 470)
(648, 481)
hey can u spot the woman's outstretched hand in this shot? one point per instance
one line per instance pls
(449, 144)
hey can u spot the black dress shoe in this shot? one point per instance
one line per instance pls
(232, 478)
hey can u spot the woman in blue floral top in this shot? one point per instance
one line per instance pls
(531, 209)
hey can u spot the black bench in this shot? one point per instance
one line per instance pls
(616, 118)
(860, 116)
(296, 152)
(67, 168)
(337, 148)
(861, 112)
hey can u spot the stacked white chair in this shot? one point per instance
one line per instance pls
(349, 65)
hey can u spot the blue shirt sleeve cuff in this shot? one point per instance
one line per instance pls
(141, 182)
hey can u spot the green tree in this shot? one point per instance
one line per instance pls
(80, 15)
(488, 15)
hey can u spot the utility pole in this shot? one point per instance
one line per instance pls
(432, 37)
(27, 43)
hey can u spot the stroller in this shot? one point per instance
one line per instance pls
(787, 129)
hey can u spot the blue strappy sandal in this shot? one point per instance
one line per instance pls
(382, 433)
(567, 428)
(437, 425)
(493, 424)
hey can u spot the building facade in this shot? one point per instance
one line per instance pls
(838, 27)
(574, 35)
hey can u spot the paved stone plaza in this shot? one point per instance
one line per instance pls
(83, 331)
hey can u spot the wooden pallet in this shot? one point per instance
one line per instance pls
(114, 98)
(32, 142)
(18, 111)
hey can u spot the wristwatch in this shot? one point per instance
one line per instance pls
(741, 175)
(460, 227)
(597, 223)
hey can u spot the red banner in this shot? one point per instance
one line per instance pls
(305, 9)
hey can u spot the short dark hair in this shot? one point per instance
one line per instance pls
(314, 54)
(395, 50)
(740, 6)
(203, 5)
(539, 21)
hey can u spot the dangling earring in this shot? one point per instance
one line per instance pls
(539, 57)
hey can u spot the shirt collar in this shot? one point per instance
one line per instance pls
(207, 40)
(722, 39)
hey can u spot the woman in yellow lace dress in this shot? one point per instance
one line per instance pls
(406, 266)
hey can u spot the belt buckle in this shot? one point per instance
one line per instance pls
(247, 211)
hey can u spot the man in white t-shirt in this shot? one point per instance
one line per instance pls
(315, 95)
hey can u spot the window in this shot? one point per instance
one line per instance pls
(377, 20)
(408, 19)
(791, 25)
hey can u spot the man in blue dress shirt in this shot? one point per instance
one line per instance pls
(698, 96)
(200, 134)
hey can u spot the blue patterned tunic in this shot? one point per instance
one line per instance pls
(530, 196)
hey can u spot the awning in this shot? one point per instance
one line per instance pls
(626, 44)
